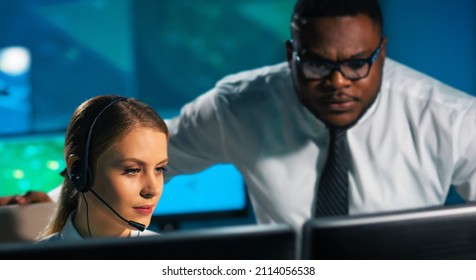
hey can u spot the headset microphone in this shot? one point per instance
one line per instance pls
(133, 224)
(81, 175)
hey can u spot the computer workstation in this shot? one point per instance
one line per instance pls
(437, 233)
(444, 233)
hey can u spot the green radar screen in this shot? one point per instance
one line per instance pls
(30, 163)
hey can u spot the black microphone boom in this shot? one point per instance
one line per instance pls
(133, 224)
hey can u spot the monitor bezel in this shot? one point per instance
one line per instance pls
(248, 242)
(400, 235)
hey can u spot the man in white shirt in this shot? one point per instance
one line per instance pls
(409, 137)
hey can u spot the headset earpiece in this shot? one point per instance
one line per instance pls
(80, 176)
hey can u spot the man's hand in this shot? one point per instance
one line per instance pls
(28, 198)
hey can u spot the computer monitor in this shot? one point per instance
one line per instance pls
(218, 191)
(31, 162)
(434, 233)
(250, 242)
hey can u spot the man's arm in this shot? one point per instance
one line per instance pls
(29, 197)
(195, 141)
(464, 176)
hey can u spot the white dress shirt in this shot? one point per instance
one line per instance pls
(412, 144)
(69, 233)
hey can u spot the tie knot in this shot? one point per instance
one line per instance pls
(337, 133)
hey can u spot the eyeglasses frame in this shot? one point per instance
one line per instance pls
(336, 66)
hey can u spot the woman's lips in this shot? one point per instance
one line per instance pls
(144, 210)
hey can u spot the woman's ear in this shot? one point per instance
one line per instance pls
(71, 160)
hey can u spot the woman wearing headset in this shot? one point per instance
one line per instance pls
(116, 153)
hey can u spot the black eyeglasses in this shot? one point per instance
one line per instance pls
(353, 69)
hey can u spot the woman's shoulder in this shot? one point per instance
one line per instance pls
(55, 237)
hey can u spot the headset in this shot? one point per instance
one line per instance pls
(81, 174)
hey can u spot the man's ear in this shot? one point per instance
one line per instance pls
(383, 51)
(289, 52)
(383, 48)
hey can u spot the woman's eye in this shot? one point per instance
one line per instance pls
(160, 170)
(132, 171)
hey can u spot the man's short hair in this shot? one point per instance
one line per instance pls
(304, 9)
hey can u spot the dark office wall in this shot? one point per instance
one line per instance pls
(437, 37)
(184, 47)
(78, 49)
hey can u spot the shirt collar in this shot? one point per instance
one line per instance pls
(69, 232)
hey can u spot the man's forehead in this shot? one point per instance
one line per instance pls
(322, 26)
(324, 32)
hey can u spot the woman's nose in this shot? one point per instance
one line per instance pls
(152, 186)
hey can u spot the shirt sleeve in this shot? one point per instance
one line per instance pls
(195, 136)
(464, 175)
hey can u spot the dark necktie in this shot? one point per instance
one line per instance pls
(333, 191)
